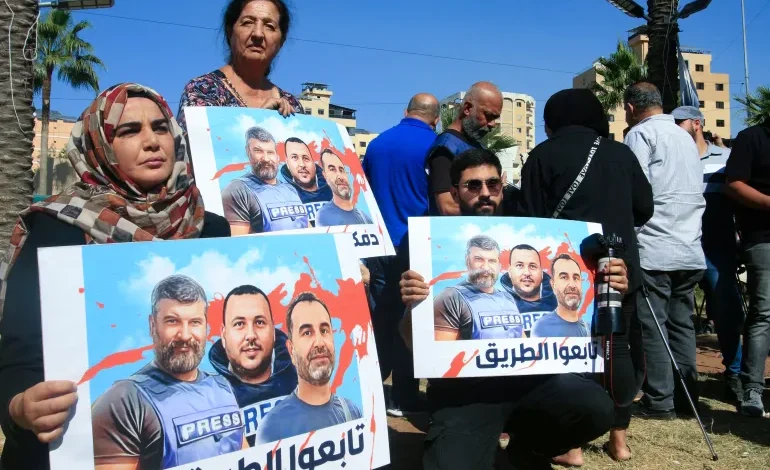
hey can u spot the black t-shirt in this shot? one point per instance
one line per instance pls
(440, 161)
(750, 162)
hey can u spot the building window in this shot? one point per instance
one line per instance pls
(700, 86)
(518, 129)
(720, 123)
(720, 87)
(610, 118)
(362, 144)
(720, 105)
(320, 112)
(612, 136)
(308, 110)
(699, 68)
(701, 104)
(518, 104)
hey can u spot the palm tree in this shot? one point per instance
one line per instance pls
(61, 50)
(662, 59)
(757, 106)
(495, 141)
(17, 126)
(620, 70)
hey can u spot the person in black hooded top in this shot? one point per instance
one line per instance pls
(252, 355)
(614, 193)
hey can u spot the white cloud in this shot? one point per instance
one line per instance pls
(508, 236)
(281, 129)
(214, 271)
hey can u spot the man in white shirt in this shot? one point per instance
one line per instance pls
(670, 249)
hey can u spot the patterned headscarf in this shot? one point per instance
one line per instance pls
(105, 203)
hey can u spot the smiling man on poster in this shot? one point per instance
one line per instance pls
(169, 413)
(342, 209)
(529, 285)
(252, 356)
(257, 202)
(312, 406)
(305, 175)
(565, 320)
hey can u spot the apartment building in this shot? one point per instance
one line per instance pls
(713, 88)
(518, 121)
(316, 99)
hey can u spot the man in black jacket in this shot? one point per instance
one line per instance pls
(612, 191)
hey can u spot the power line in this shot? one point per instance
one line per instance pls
(352, 46)
(747, 26)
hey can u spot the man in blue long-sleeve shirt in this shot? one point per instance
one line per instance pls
(395, 168)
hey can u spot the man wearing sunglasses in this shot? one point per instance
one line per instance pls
(548, 414)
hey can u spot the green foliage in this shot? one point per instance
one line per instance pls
(62, 50)
(618, 71)
(756, 105)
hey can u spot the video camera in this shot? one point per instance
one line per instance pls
(608, 318)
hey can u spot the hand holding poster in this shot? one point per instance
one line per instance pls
(214, 354)
(509, 296)
(266, 173)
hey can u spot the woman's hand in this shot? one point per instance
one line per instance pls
(44, 408)
(281, 104)
(413, 288)
(617, 275)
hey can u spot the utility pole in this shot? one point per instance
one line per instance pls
(745, 52)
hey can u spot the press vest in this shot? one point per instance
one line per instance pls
(199, 419)
(495, 316)
(281, 207)
(456, 146)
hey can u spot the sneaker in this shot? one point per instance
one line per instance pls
(751, 405)
(640, 411)
(402, 412)
(733, 389)
(504, 440)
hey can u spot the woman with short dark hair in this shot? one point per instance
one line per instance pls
(255, 31)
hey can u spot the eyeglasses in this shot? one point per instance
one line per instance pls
(493, 184)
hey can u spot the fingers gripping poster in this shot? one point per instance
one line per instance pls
(508, 296)
(266, 173)
(247, 353)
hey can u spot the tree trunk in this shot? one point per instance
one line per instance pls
(46, 167)
(16, 134)
(662, 58)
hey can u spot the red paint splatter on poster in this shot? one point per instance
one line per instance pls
(113, 360)
(373, 426)
(446, 276)
(113, 326)
(229, 169)
(458, 363)
(81, 290)
(99, 304)
(304, 444)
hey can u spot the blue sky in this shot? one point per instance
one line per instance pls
(118, 293)
(564, 35)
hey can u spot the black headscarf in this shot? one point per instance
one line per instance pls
(576, 107)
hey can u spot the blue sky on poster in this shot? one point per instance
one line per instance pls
(452, 236)
(124, 285)
(562, 35)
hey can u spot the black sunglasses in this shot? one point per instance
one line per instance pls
(493, 184)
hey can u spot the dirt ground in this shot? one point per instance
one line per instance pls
(742, 443)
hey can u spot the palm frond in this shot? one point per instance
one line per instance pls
(756, 105)
(618, 71)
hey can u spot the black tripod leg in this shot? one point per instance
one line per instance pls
(680, 374)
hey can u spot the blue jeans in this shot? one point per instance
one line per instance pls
(756, 333)
(724, 305)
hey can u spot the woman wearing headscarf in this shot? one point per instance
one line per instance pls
(135, 184)
(615, 193)
(255, 31)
